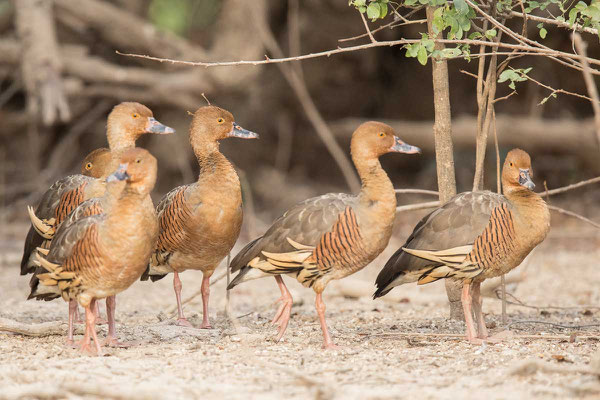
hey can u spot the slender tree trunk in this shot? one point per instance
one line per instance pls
(442, 130)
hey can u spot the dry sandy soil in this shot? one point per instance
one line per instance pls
(376, 359)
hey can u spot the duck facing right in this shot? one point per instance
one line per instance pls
(473, 237)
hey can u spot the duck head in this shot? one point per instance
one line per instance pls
(517, 172)
(138, 168)
(373, 139)
(211, 123)
(97, 163)
(128, 121)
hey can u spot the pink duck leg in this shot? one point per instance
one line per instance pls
(205, 289)
(320, 306)
(111, 338)
(282, 316)
(181, 320)
(90, 331)
(467, 309)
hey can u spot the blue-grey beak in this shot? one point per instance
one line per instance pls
(119, 175)
(153, 126)
(525, 179)
(242, 133)
(401, 147)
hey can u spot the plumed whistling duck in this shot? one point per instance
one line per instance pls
(330, 236)
(473, 237)
(101, 255)
(200, 222)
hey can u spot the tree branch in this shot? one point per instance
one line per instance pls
(589, 81)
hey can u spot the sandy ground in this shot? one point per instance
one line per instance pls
(376, 360)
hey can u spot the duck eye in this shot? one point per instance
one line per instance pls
(139, 160)
(135, 115)
(88, 166)
(220, 120)
(381, 134)
(511, 164)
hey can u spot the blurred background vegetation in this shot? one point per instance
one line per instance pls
(289, 163)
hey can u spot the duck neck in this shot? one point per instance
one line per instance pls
(216, 172)
(119, 139)
(377, 191)
(534, 216)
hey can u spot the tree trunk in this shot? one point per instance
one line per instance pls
(442, 130)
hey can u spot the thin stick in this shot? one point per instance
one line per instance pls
(419, 206)
(572, 214)
(364, 20)
(462, 336)
(543, 194)
(554, 91)
(562, 24)
(389, 43)
(499, 189)
(390, 25)
(570, 187)
(417, 191)
(589, 81)
(36, 330)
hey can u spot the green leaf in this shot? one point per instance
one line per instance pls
(411, 2)
(412, 49)
(475, 35)
(461, 6)
(422, 55)
(373, 11)
(506, 75)
(384, 9)
(490, 33)
(512, 85)
(359, 3)
(543, 33)
(450, 53)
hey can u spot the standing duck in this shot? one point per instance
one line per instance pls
(126, 123)
(200, 222)
(473, 237)
(101, 255)
(330, 236)
(95, 165)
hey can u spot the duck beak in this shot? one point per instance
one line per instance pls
(401, 147)
(119, 175)
(153, 126)
(242, 133)
(525, 179)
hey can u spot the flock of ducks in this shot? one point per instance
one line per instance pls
(94, 234)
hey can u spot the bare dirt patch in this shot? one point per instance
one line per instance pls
(385, 347)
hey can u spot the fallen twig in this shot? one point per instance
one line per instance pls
(560, 326)
(529, 367)
(36, 330)
(462, 336)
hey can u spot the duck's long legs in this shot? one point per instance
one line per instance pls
(181, 321)
(205, 289)
(72, 319)
(282, 316)
(90, 330)
(99, 320)
(74, 309)
(111, 338)
(320, 306)
(482, 332)
(466, 303)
